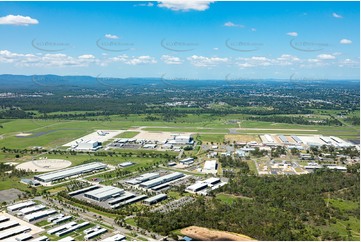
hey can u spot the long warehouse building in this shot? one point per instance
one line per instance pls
(18, 206)
(161, 180)
(104, 193)
(69, 172)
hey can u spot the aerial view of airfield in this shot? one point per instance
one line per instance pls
(180, 120)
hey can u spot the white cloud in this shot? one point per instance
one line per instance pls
(149, 4)
(215, 48)
(111, 36)
(144, 59)
(326, 57)
(294, 34)
(87, 57)
(18, 20)
(335, 15)
(253, 29)
(231, 24)
(185, 5)
(171, 60)
(345, 41)
(203, 61)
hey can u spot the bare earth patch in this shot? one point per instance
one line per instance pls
(241, 138)
(200, 233)
(44, 165)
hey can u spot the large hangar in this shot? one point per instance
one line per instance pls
(104, 193)
(73, 171)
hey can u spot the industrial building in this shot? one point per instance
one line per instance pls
(41, 214)
(19, 206)
(117, 237)
(283, 139)
(187, 161)
(181, 140)
(210, 166)
(60, 220)
(212, 183)
(129, 201)
(124, 196)
(143, 178)
(155, 199)
(69, 172)
(62, 227)
(96, 232)
(71, 229)
(31, 209)
(89, 145)
(104, 193)
(14, 231)
(3, 219)
(80, 191)
(126, 164)
(161, 180)
(23, 237)
(41, 238)
(8, 224)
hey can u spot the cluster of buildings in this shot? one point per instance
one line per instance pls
(154, 181)
(303, 141)
(202, 187)
(114, 197)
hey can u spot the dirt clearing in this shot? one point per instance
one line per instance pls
(200, 233)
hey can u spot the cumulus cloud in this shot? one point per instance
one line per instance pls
(185, 5)
(18, 20)
(293, 34)
(203, 61)
(335, 15)
(134, 60)
(40, 60)
(231, 24)
(111, 36)
(345, 41)
(262, 61)
(149, 4)
(171, 60)
(326, 57)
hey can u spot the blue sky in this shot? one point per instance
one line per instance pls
(182, 39)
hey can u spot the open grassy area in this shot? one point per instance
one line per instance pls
(127, 134)
(216, 138)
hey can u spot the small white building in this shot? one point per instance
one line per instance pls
(210, 166)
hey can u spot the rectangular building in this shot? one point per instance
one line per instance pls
(23, 237)
(143, 178)
(117, 237)
(80, 191)
(187, 161)
(39, 215)
(18, 206)
(32, 209)
(41, 238)
(69, 172)
(15, 231)
(155, 199)
(161, 180)
(210, 166)
(104, 193)
(125, 196)
(95, 233)
(8, 224)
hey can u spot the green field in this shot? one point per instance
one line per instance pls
(127, 134)
(54, 133)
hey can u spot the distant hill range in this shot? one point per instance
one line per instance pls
(8, 81)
